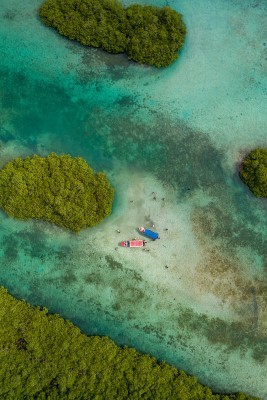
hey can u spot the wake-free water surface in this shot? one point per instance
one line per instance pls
(198, 297)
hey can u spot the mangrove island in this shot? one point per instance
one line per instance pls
(149, 35)
(44, 356)
(58, 189)
(254, 172)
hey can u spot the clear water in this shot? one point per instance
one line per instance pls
(198, 298)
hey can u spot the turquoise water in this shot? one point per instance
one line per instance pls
(198, 298)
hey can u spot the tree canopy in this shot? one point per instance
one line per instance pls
(58, 188)
(44, 356)
(254, 172)
(149, 35)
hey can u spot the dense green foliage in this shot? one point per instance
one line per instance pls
(149, 35)
(254, 172)
(58, 189)
(45, 357)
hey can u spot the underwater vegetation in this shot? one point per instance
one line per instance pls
(57, 188)
(149, 35)
(254, 172)
(44, 356)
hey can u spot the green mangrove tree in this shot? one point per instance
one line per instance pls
(58, 188)
(254, 172)
(45, 357)
(149, 35)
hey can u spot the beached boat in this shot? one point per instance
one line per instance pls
(133, 243)
(149, 233)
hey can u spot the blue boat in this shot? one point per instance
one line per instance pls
(149, 233)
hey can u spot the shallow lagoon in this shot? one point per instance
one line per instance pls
(180, 132)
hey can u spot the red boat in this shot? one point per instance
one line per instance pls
(133, 243)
